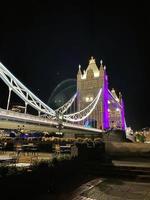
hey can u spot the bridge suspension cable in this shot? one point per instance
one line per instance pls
(25, 94)
(67, 105)
(83, 114)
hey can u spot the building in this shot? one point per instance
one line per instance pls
(109, 112)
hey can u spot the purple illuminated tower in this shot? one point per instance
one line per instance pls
(122, 113)
(105, 101)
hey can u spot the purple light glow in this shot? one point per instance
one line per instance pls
(122, 116)
(105, 103)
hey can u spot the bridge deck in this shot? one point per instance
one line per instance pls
(14, 120)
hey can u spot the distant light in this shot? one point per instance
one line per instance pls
(59, 133)
(60, 117)
(108, 102)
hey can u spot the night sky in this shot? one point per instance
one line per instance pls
(42, 43)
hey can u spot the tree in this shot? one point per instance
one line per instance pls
(140, 138)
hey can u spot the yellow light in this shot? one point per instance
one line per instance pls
(87, 99)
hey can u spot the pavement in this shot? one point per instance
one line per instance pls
(112, 189)
(78, 193)
(118, 188)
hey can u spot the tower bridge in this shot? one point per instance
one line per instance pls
(95, 108)
(109, 110)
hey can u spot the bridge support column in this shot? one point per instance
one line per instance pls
(25, 110)
(39, 112)
(9, 95)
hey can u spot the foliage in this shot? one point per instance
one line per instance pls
(140, 138)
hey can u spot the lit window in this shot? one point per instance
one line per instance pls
(87, 99)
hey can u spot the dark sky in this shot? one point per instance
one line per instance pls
(42, 43)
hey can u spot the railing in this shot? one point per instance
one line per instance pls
(22, 116)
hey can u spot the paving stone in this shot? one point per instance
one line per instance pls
(112, 190)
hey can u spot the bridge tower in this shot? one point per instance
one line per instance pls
(106, 114)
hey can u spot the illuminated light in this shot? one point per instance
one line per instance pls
(105, 104)
(60, 117)
(67, 105)
(119, 104)
(96, 74)
(108, 102)
(87, 99)
(123, 116)
(83, 114)
(84, 75)
(117, 99)
(108, 110)
(117, 109)
(92, 66)
(59, 133)
(91, 98)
